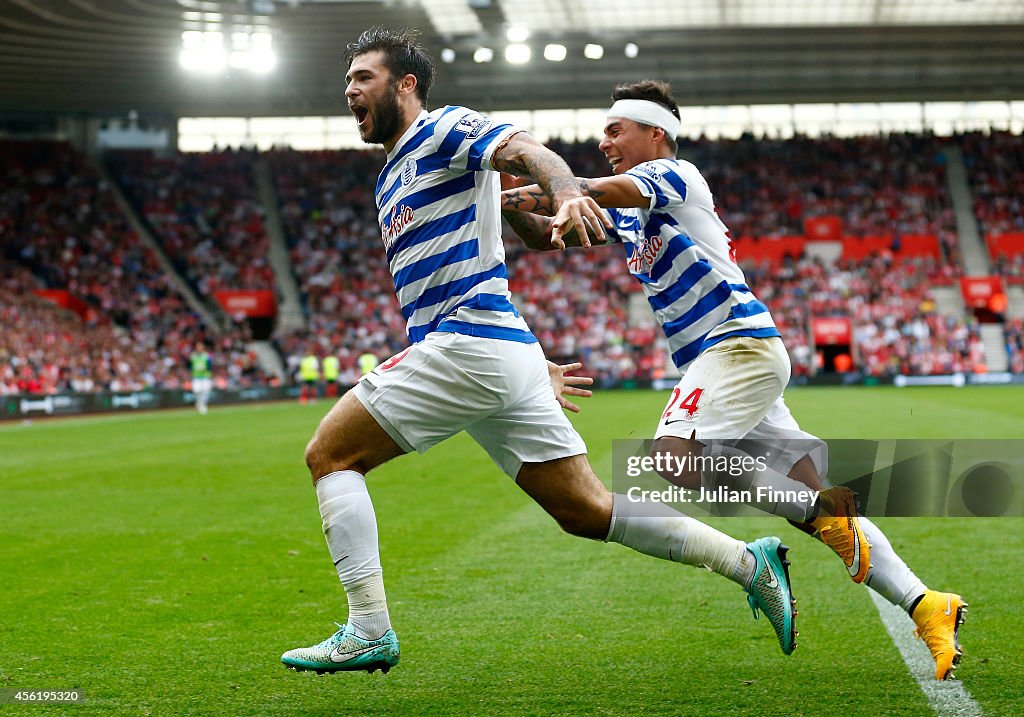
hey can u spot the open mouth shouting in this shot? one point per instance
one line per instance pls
(361, 114)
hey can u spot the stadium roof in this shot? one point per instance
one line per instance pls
(112, 56)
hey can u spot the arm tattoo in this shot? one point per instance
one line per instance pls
(588, 189)
(524, 156)
(541, 203)
(514, 199)
(552, 173)
(533, 230)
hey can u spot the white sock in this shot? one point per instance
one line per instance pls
(368, 607)
(889, 576)
(660, 531)
(350, 527)
(789, 498)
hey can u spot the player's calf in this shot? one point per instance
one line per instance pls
(568, 490)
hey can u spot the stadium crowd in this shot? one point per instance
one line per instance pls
(995, 169)
(896, 329)
(329, 219)
(60, 228)
(204, 210)
(995, 166)
(48, 349)
(878, 186)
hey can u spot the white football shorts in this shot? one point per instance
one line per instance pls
(202, 385)
(497, 391)
(732, 391)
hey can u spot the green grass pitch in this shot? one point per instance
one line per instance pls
(162, 562)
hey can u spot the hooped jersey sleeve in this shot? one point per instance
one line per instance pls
(466, 139)
(659, 181)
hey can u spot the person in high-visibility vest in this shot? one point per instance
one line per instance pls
(367, 362)
(202, 377)
(309, 374)
(332, 369)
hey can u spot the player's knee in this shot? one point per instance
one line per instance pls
(314, 458)
(324, 457)
(676, 460)
(319, 459)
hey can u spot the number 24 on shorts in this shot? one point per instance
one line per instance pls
(690, 404)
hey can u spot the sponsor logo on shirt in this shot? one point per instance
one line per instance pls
(401, 217)
(645, 254)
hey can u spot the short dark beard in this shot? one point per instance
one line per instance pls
(386, 119)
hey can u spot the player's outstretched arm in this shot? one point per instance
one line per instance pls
(564, 385)
(522, 155)
(606, 191)
(534, 227)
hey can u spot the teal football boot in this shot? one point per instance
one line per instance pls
(770, 590)
(344, 651)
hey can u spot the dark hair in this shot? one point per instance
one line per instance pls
(403, 55)
(652, 91)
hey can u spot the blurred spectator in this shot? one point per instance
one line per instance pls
(1015, 345)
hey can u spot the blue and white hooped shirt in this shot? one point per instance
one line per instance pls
(439, 211)
(679, 251)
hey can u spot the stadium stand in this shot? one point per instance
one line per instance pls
(61, 230)
(874, 193)
(995, 164)
(329, 219)
(204, 211)
(882, 200)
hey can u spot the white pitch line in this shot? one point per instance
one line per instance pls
(947, 699)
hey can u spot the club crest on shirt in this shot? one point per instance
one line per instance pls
(408, 171)
(473, 125)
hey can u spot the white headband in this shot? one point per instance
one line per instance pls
(646, 112)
